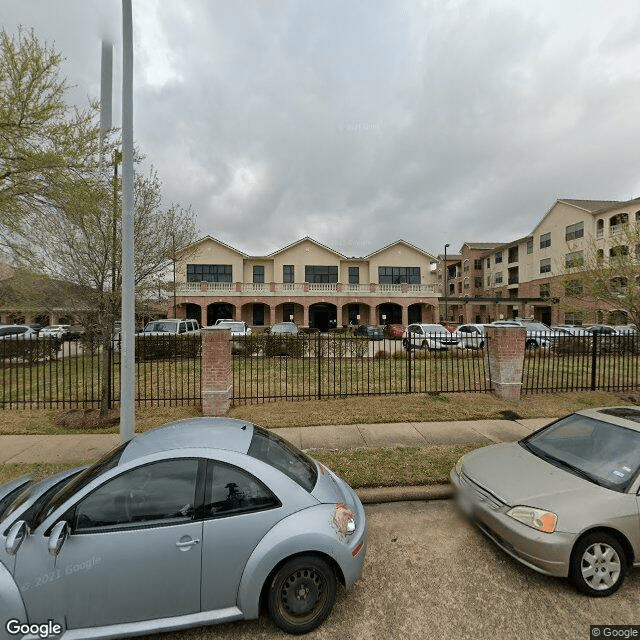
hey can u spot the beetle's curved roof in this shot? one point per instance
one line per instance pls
(206, 433)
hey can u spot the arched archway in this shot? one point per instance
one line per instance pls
(323, 316)
(193, 312)
(219, 311)
(392, 313)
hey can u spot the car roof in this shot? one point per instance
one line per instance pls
(623, 415)
(201, 433)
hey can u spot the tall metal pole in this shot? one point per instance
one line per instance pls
(127, 355)
(446, 284)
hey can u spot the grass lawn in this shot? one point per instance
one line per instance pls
(360, 467)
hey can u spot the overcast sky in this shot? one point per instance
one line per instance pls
(362, 122)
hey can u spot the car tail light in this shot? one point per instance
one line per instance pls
(344, 520)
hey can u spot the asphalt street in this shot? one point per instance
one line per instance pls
(431, 574)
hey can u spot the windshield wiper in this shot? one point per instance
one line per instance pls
(564, 464)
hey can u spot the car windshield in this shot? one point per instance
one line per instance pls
(603, 453)
(536, 326)
(434, 328)
(283, 328)
(234, 326)
(160, 325)
(58, 498)
(282, 455)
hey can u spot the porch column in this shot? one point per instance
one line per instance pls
(272, 315)
(305, 315)
(405, 315)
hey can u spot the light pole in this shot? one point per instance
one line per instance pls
(446, 284)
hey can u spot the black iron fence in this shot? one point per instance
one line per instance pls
(585, 362)
(51, 373)
(313, 366)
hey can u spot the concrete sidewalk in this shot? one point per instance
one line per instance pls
(85, 447)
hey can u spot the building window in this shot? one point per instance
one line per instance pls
(530, 246)
(573, 287)
(575, 259)
(498, 278)
(258, 273)
(354, 275)
(545, 291)
(545, 240)
(574, 231)
(399, 275)
(466, 283)
(477, 282)
(618, 222)
(319, 274)
(288, 273)
(498, 257)
(258, 314)
(209, 273)
(488, 281)
(477, 264)
(466, 266)
(600, 256)
(513, 254)
(619, 251)
(488, 262)
(545, 265)
(574, 317)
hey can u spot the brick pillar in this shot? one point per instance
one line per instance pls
(506, 358)
(405, 315)
(305, 315)
(216, 371)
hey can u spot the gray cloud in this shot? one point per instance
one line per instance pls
(359, 123)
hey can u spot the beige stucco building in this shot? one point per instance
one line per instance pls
(523, 278)
(306, 282)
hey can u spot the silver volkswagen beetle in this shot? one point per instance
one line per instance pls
(198, 522)
(564, 500)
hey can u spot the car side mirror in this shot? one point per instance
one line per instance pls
(16, 536)
(57, 537)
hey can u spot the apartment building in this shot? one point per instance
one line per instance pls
(308, 283)
(525, 277)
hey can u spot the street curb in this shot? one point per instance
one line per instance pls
(379, 495)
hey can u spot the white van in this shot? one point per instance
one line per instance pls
(171, 326)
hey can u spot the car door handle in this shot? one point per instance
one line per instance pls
(188, 543)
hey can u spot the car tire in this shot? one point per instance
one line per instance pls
(301, 594)
(598, 565)
(531, 344)
(481, 345)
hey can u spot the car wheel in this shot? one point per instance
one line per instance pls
(481, 345)
(301, 594)
(407, 344)
(598, 565)
(531, 344)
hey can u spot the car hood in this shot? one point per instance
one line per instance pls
(518, 477)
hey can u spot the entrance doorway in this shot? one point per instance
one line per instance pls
(323, 316)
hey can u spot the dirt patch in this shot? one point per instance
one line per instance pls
(87, 419)
(632, 397)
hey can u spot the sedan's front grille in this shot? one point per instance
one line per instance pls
(481, 494)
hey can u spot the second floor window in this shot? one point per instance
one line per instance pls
(545, 265)
(354, 275)
(574, 231)
(498, 257)
(573, 288)
(288, 273)
(320, 274)
(529, 246)
(477, 264)
(399, 275)
(258, 273)
(545, 291)
(477, 282)
(545, 240)
(209, 273)
(498, 277)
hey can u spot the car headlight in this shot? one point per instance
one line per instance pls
(535, 518)
(458, 467)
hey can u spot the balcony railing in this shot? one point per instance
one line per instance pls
(265, 289)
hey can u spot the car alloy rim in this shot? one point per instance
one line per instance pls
(600, 566)
(303, 593)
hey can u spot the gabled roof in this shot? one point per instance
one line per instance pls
(590, 205)
(406, 244)
(193, 245)
(482, 245)
(307, 239)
